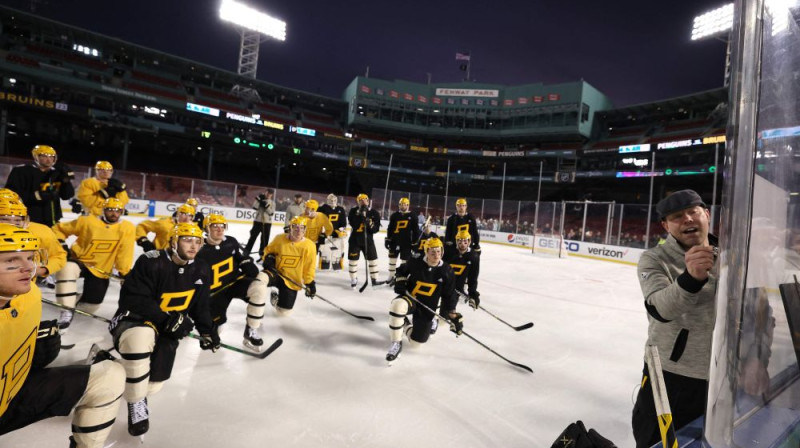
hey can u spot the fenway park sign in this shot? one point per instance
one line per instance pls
(486, 93)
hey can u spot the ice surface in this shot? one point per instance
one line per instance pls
(329, 384)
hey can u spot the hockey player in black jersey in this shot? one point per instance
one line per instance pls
(42, 184)
(402, 234)
(332, 258)
(466, 266)
(418, 248)
(428, 279)
(462, 220)
(233, 276)
(365, 222)
(163, 297)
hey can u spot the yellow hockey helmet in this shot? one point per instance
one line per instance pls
(433, 243)
(12, 208)
(299, 221)
(14, 239)
(215, 218)
(103, 165)
(186, 229)
(193, 202)
(186, 209)
(43, 150)
(362, 196)
(5, 193)
(113, 204)
(463, 235)
(461, 201)
(404, 201)
(312, 204)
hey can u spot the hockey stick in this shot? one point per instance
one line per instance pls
(226, 286)
(260, 355)
(366, 251)
(370, 318)
(519, 328)
(521, 366)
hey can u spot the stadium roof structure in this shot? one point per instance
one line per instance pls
(709, 99)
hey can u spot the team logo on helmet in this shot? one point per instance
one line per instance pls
(103, 165)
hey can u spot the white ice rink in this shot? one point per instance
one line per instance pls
(329, 384)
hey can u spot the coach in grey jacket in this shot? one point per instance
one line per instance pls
(679, 282)
(262, 222)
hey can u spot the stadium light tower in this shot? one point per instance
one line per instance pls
(716, 23)
(254, 27)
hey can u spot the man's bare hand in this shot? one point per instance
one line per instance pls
(699, 260)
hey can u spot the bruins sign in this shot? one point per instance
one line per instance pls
(31, 101)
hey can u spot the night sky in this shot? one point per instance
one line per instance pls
(633, 51)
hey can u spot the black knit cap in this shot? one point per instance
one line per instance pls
(678, 201)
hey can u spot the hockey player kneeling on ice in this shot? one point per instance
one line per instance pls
(402, 234)
(233, 275)
(35, 392)
(163, 297)
(293, 256)
(162, 228)
(466, 264)
(365, 222)
(427, 279)
(332, 255)
(104, 243)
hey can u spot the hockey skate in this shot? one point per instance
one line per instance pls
(325, 265)
(337, 265)
(434, 325)
(354, 282)
(138, 418)
(378, 283)
(252, 339)
(64, 320)
(394, 350)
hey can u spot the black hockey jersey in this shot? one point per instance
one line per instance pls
(403, 230)
(456, 223)
(223, 260)
(466, 268)
(357, 222)
(52, 186)
(336, 215)
(156, 286)
(428, 284)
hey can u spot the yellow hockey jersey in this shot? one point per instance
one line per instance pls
(161, 227)
(315, 226)
(19, 323)
(91, 198)
(56, 255)
(100, 246)
(294, 260)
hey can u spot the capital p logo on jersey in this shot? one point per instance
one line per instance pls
(289, 261)
(425, 289)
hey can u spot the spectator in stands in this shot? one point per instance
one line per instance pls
(421, 219)
(262, 221)
(679, 282)
(42, 184)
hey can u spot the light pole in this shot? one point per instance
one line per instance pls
(254, 27)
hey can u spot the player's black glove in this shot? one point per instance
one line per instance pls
(48, 344)
(269, 262)
(211, 340)
(114, 187)
(476, 248)
(76, 206)
(474, 299)
(249, 269)
(146, 244)
(456, 323)
(400, 285)
(64, 174)
(388, 243)
(177, 326)
(262, 201)
(44, 195)
(286, 229)
(311, 289)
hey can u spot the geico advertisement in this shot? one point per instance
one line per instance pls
(601, 251)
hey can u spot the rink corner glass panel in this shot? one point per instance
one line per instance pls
(754, 392)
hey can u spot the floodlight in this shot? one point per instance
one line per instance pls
(247, 17)
(713, 23)
(780, 12)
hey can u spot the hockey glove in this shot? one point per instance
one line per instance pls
(48, 344)
(114, 187)
(456, 323)
(64, 245)
(400, 285)
(211, 340)
(311, 289)
(77, 208)
(178, 326)
(65, 174)
(476, 248)
(146, 244)
(248, 268)
(474, 300)
(269, 262)
(44, 195)
(388, 243)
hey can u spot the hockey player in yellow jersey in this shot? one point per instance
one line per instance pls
(34, 392)
(293, 256)
(319, 227)
(15, 213)
(162, 228)
(93, 191)
(103, 244)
